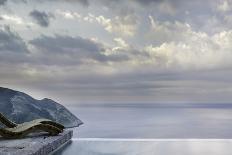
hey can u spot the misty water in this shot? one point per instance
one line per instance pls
(152, 129)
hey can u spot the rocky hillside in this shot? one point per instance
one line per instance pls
(20, 107)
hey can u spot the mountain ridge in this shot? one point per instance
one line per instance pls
(21, 107)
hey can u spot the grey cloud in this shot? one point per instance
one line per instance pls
(13, 51)
(42, 18)
(2, 2)
(196, 6)
(106, 76)
(115, 58)
(147, 2)
(73, 49)
(83, 2)
(146, 87)
(11, 42)
(173, 2)
(143, 2)
(163, 7)
(66, 45)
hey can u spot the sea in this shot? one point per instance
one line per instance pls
(151, 129)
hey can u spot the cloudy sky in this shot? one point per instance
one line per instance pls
(79, 51)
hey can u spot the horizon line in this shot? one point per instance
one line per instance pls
(152, 139)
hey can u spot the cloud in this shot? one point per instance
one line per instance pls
(69, 14)
(122, 43)
(164, 6)
(13, 52)
(66, 44)
(2, 2)
(177, 44)
(148, 2)
(42, 18)
(224, 6)
(169, 31)
(170, 55)
(124, 25)
(15, 20)
(11, 42)
(174, 48)
(73, 50)
(174, 3)
(82, 2)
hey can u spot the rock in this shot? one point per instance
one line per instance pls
(20, 107)
(35, 144)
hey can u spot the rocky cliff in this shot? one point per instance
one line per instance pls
(20, 107)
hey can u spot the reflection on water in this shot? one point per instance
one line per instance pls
(156, 121)
(153, 121)
(149, 148)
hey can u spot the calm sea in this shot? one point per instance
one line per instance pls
(146, 129)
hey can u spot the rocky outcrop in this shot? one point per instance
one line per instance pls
(20, 107)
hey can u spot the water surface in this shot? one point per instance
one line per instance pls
(195, 129)
(155, 121)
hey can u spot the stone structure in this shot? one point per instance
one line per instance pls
(34, 144)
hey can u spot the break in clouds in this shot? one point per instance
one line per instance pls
(117, 51)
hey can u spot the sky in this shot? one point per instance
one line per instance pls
(118, 51)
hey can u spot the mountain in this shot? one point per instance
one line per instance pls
(20, 107)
